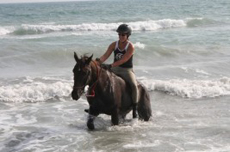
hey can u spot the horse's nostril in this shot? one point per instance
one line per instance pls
(74, 95)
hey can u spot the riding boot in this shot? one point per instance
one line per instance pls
(135, 110)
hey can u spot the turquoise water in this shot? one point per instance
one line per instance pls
(181, 56)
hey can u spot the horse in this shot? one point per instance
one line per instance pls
(107, 93)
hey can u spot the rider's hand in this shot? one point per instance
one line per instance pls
(98, 61)
(106, 66)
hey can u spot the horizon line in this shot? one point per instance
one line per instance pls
(49, 1)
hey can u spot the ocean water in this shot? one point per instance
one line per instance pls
(181, 56)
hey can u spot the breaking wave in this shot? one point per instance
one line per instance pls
(194, 89)
(45, 89)
(150, 25)
(35, 90)
(6, 30)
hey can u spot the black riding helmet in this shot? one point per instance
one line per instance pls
(124, 28)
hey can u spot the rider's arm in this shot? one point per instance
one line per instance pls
(106, 55)
(126, 56)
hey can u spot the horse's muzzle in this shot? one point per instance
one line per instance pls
(76, 94)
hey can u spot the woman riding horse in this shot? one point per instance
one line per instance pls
(123, 51)
(107, 93)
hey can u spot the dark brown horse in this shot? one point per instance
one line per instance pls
(107, 94)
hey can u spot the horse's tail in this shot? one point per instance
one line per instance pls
(144, 105)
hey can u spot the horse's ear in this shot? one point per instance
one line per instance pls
(89, 59)
(76, 57)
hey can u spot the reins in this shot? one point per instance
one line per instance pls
(93, 86)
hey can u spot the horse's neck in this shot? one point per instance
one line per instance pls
(99, 74)
(95, 72)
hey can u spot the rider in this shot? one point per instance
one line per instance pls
(123, 51)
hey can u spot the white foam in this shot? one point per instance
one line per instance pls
(191, 19)
(35, 91)
(213, 148)
(25, 119)
(140, 144)
(187, 70)
(136, 26)
(150, 25)
(191, 88)
(202, 72)
(139, 45)
(5, 30)
(153, 25)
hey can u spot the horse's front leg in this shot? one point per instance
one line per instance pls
(90, 122)
(93, 113)
(114, 117)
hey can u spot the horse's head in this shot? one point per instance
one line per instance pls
(82, 75)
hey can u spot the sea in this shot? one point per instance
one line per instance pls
(182, 57)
